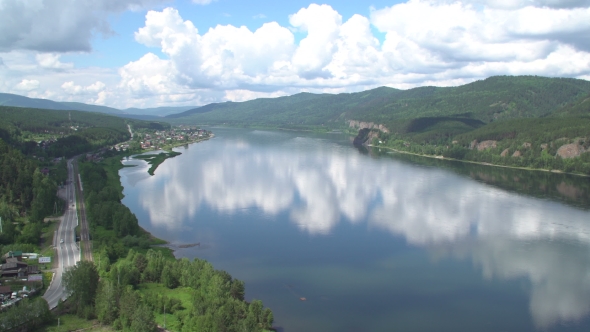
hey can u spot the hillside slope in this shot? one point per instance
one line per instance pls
(8, 99)
(70, 132)
(458, 109)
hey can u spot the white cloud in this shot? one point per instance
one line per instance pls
(322, 24)
(424, 42)
(51, 61)
(73, 89)
(27, 85)
(58, 25)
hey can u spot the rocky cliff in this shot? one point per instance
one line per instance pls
(367, 125)
(365, 136)
(570, 150)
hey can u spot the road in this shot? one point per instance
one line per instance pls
(84, 237)
(67, 252)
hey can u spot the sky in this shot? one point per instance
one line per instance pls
(151, 53)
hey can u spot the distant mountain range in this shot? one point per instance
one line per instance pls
(451, 109)
(495, 98)
(8, 99)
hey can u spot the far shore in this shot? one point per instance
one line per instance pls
(477, 162)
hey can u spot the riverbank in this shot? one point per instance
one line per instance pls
(156, 159)
(160, 281)
(477, 162)
(169, 147)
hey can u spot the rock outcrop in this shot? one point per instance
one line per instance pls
(516, 154)
(482, 145)
(486, 145)
(505, 153)
(365, 136)
(367, 125)
(570, 150)
(526, 145)
(544, 146)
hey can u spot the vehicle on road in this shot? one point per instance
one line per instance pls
(61, 241)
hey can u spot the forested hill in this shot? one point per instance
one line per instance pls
(8, 99)
(495, 98)
(58, 133)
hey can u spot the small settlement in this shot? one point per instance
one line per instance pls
(16, 277)
(159, 139)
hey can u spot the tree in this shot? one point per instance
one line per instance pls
(30, 233)
(143, 320)
(81, 282)
(27, 316)
(106, 302)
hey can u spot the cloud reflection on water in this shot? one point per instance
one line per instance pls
(507, 235)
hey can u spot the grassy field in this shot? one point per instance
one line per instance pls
(183, 294)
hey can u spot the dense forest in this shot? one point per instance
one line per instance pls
(57, 133)
(130, 272)
(492, 99)
(30, 139)
(26, 196)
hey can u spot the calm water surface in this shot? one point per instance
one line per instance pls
(374, 242)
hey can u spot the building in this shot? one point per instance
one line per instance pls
(14, 268)
(14, 254)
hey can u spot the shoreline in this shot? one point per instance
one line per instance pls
(555, 171)
(158, 242)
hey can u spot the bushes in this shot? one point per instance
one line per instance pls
(216, 299)
(28, 315)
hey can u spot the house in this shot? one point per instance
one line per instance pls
(45, 171)
(14, 254)
(32, 269)
(14, 268)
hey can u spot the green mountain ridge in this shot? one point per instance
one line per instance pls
(495, 98)
(8, 99)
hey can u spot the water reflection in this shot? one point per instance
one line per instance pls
(559, 273)
(506, 235)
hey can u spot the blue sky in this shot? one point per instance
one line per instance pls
(148, 53)
(114, 51)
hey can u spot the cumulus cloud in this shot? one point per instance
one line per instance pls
(51, 61)
(58, 25)
(73, 89)
(422, 42)
(27, 85)
(426, 42)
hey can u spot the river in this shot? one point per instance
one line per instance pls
(374, 240)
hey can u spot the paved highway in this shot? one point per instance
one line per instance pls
(84, 237)
(64, 240)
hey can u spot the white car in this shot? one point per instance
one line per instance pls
(61, 241)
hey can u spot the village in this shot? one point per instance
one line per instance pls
(19, 278)
(165, 139)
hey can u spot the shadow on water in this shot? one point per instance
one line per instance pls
(566, 188)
